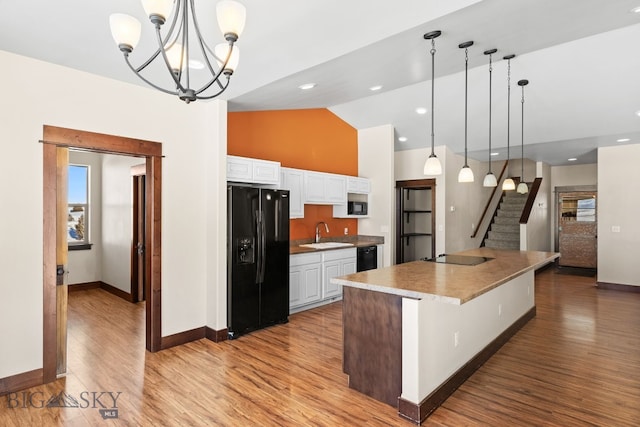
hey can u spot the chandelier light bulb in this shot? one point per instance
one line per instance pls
(522, 188)
(508, 184)
(490, 180)
(125, 30)
(157, 10)
(231, 18)
(465, 174)
(222, 50)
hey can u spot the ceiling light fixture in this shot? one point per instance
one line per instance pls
(490, 179)
(432, 166)
(174, 48)
(522, 187)
(465, 174)
(572, 159)
(402, 139)
(421, 110)
(623, 140)
(374, 88)
(638, 113)
(307, 86)
(508, 183)
(495, 153)
(636, 9)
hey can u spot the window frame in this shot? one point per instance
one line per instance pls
(85, 243)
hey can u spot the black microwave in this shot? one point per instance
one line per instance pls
(357, 208)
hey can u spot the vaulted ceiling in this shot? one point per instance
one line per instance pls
(580, 56)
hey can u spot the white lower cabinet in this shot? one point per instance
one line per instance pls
(336, 263)
(305, 279)
(310, 277)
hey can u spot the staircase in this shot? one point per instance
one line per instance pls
(504, 232)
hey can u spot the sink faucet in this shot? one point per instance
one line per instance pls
(326, 227)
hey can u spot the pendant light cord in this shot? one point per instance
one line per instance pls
(508, 107)
(433, 54)
(522, 139)
(466, 66)
(490, 71)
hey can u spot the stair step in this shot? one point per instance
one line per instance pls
(513, 227)
(507, 220)
(509, 213)
(501, 244)
(497, 235)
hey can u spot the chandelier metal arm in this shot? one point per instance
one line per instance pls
(155, 86)
(161, 43)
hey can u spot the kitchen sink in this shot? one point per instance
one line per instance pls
(327, 245)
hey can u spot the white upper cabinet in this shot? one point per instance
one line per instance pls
(293, 180)
(358, 185)
(324, 188)
(254, 171)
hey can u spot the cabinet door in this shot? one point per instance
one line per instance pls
(265, 172)
(239, 169)
(296, 279)
(292, 180)
(336, 189)
(314, 191)
(331, 270)
(312, 284)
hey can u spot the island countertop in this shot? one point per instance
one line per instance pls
(450, 283)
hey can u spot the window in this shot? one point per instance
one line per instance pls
(78, 207)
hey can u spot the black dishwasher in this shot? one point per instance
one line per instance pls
(367, 258)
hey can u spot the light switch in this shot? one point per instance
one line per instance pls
(615, 228)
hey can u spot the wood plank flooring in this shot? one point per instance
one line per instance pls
(577, 363)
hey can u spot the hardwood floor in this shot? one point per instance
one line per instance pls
(577, 363)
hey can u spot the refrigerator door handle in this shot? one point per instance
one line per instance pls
(263, 247)
(259, 248)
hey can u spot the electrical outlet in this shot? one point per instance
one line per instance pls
(456, 338)
(499, 309)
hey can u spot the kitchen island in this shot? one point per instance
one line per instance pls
(414, 332)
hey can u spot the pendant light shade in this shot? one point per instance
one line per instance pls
(465, 174)
(508, 183)
(490, 179)
(522, 187)
(432, 166)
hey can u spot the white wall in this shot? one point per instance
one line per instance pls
(376, 162)
(618, 204)
(40, 94)
(86, 265)
(117, 220)
(534, 236)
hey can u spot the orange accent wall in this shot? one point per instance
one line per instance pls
(314, 139)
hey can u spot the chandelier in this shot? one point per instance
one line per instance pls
(174, 50)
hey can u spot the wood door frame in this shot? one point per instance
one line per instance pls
(415, 184)
(90, 141)
(138, 174)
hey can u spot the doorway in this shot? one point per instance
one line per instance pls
(55, 141)
(576, 233)
(138, 253)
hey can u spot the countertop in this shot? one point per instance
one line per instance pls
(450, 283)
(358, 241)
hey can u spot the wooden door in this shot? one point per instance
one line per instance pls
(577, 229)
(62, 213)
(138, 250)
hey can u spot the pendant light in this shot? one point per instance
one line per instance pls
(508, 183)
(465, 174)
(490, 178)
(432, 166)
(522, 187)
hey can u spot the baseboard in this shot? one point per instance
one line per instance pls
(115, 291)
(84, 286)
(182, 338)
(617, 287)
(419, 412)
(217, 335)
(21, 381)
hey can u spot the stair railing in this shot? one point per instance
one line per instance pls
(486, 207)
(528, 206)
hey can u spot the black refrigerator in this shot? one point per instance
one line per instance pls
(257, 258)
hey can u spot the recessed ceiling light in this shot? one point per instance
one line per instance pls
(421, 110)
(194, 64)
(573, 159)
(402, 139)
(635, 9)
(495, 154)
(374, 88)
(638, 113)
(307, 86)
(623, 140)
